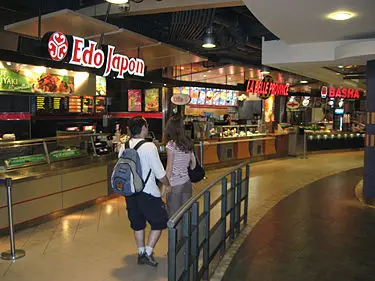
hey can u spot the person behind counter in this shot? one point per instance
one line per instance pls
(147, 205)
(180, 157)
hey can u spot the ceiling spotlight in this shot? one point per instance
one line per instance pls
(304, 82)
(205, 76)
(209, 40)
(182, 68)
(118, 1)
(341, 15)
(340, 66)
(165, 85)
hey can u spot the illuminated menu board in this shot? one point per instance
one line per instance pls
(75, 104)
(43, 104)
(99, 104)
(209, 96)
(88, 104)
(60, 104)
(51, 105)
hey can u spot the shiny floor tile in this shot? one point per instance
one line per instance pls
(97, 243)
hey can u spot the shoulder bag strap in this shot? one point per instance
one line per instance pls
(142, 142)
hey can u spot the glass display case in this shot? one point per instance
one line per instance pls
(18, 154)
(238, 131)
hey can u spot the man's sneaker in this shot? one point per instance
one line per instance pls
(149, 260)
(141, 258)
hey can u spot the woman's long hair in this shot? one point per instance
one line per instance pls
(175, 131)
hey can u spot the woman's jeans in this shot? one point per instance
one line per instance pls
(177, 197)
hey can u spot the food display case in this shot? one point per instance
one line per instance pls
(21, 154)
(238, 131)
(322, 136)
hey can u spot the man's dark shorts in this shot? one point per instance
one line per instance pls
(144, 207)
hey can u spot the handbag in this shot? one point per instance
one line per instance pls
(197, 174)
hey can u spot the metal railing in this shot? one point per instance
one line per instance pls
(198, 237)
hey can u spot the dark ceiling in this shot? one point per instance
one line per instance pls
(237, 32)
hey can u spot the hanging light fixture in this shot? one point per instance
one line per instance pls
(209, 40)
(117, 1)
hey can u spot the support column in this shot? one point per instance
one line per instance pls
(369, 174)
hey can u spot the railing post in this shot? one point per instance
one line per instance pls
(206, 246)
(172, 241)
(246, 206)
(201, 153)
(238, 203)
(13, 254)
(187, 230)
(195, 239)
(224, 186)
(233, 204)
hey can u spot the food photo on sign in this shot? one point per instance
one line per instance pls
(135, 100)
(152, 100)
(27, 78)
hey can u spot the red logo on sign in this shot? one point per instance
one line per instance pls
(58, 46)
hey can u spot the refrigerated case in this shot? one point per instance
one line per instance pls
(23, 154)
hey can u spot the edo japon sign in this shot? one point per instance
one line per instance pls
(343, 93)
(266, 88)
(78, 51)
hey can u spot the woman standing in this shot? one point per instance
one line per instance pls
(180, 158)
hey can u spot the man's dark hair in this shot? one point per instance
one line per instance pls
(136, 124)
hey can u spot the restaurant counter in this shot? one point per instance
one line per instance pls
(224, 151)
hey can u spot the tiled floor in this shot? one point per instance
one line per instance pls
(96, 244)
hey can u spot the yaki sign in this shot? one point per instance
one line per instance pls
(78, 51)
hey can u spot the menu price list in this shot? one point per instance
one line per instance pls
(88, 104)
(72, 104)
(99, 104)
(51, 105)
(75, 104)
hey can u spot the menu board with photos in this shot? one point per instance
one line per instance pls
(134, 100)
(99, 104)
(88, 104)
(75, 104)
(152, 100)
(209, 96)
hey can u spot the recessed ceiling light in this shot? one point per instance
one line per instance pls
(340, 66)
(117, 1)
(182, 68)
(341, 15)
(205, 75)
(165, 85)
(304, 82)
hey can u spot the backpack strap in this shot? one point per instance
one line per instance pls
(139, 144)
(127, 145)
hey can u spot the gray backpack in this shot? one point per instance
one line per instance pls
(127, 177)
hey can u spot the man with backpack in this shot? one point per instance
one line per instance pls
(140, 167)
